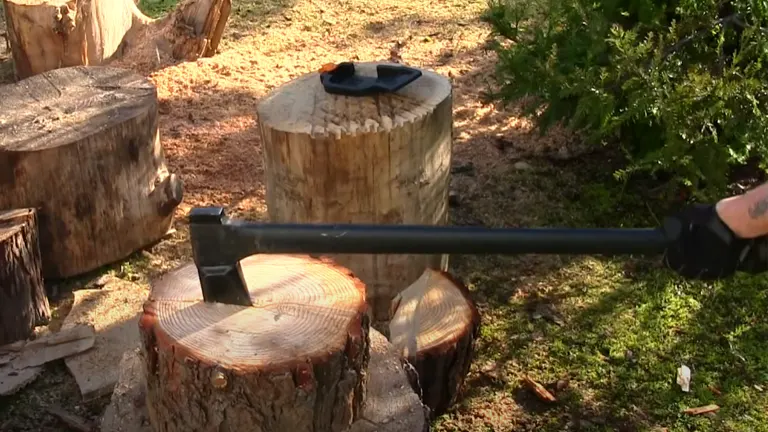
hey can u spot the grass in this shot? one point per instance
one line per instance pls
(626, 325)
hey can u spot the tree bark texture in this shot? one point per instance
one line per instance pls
(23, 303)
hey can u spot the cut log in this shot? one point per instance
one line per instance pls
(50, 34)
(382, 160)
(23, 302)
(434, 326)
(391, 403)
(81, 145)
(295, 360)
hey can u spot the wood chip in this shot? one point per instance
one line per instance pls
(12, 380)
(54, 346)
(74, 422)
(539, 389)
(701, 410)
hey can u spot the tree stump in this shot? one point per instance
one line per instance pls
(434, 326)
(391, 403)
(383, 160)
(294, 361)
(81, 145)
(49, 34)
(23, 303)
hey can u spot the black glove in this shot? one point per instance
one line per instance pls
(706, 248)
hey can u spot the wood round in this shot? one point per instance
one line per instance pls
(81, 144)
(382, 159)
(49, 34)
(434, 326)
(23, 302)
(295, 360)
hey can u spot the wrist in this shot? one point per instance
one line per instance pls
(734, 212)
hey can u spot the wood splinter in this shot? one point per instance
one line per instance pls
(541, 392)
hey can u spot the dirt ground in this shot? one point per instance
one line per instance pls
(503, 176)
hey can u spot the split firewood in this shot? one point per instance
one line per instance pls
(706, 409)
(541, 392)
(51, 34)
(434, 326)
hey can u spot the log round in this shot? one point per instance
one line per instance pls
(434, 327)
(23, 303)
(50, 34)
(295, 360)
(383, 159)
(81, 144)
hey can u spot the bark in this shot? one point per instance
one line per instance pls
(81, 145)
(391, 404)
(23, 302)
(296, 360)
(50, 34)
(434, 326)
(382, 160)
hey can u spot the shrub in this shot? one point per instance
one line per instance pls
(680, 86)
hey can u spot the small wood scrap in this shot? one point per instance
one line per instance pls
(113, 312)
(127, 410)
(541, 392)
(73, 422)
(391, 404)
(22, 362)
(706, 409)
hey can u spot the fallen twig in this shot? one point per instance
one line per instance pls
(539, 389)
(701, 410)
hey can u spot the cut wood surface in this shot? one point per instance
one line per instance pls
(50, 34)
(23, 303)
(391, 403)
(294, 360)
(382, 160)
(434, 326)
(113, 311)
(81, 144)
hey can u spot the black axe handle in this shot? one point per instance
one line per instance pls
(219, 243)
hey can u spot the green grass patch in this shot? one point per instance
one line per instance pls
(627, 322)
(156, 8)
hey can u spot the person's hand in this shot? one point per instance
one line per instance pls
(706, 248)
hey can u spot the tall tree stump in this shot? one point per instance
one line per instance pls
(434, 326)
(23, 303)
(383, 160)
(81, 145)
(50, 34)
(294, 361)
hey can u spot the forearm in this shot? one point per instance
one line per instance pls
(746, 214)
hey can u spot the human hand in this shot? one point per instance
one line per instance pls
(706, 248)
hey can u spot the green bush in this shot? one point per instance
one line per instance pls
(680, 86)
